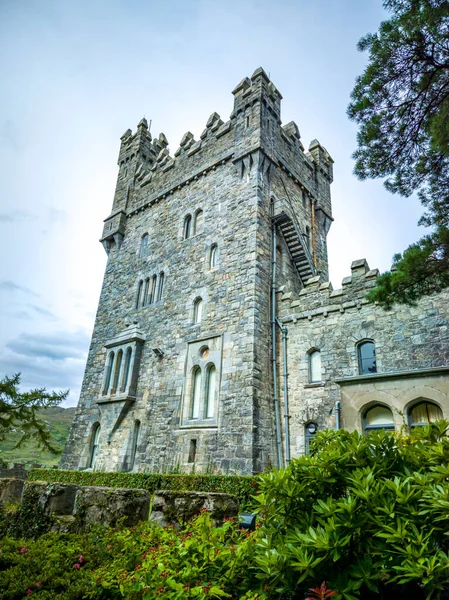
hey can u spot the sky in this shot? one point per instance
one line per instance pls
(75, 74)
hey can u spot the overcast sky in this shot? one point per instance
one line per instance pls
(75, 74)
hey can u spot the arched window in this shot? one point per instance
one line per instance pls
(118, 366)
(378, 417)
(315, 366)
(423, 413)
(197, 310)
(310, 431)
(107, 381)
(128, 357)
(94, 439)
(187, 227)
(367, 358)
(210, 392)
(135, 442)
(144, 245)
(160, 288)
(309, 239)
(152, 292)
(213, 259)
(198, 226)
(196, 394)
(139, 294)
(145, 293)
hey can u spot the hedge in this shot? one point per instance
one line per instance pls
(242, 486)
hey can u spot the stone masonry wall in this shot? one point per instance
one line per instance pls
(410, 340)
(228, 174)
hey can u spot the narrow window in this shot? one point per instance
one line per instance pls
(247, 122)
(304, 199)
(144, 245)
(315, 366)
(198, 310)
(424, 413)
(198, 228)
(128, 357)
(118, 366)
(196, 393)
(192, 451)
(95, 435)
(152, 292)
(107, 381)
(308, 239)
(139, 294)
(145, 293)
(160, 288)
(367, 358)
(213, 261)
(210, 393)
(187, 227)
(311, 429)
(135, 442)
(378, 417)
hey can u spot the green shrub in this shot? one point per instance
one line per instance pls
(367, 514)
(241, 486)
(27, 519)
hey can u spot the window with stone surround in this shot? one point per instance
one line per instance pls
(197, 310)
(122, 365)
(198, 224)
(315, 366)
(94, 443)
(201, 393)
(108, 374)
(187, 229)
(144, 245)
(378, 417)
(213, 257)
(423, 413)
(150, 290)
(366, 354)
(309, 432)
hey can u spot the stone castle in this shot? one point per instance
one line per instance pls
(219, 344)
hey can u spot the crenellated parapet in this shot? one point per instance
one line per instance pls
(318, 298)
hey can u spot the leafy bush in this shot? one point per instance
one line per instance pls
(241, 486)
(368, 514)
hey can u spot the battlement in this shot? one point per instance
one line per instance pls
(318, 298)
(252, 140)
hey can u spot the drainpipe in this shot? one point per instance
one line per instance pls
(337, 415)
(273, 351)
(286, 409)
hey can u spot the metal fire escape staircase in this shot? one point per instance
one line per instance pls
(284, 217)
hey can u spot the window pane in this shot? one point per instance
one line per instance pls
(196, 394)
(187, 223)
(367, 358)
(145, 294)
(199, 221)
(94, 445)
(127, 367)
(210, 393)
(379, 417)
(315, 366)
(139, 294)
(213, 257)
(161, 287)
(118, 364)
(108, 373)
(198, 311)
(144, 245)
(135, 442)
(426, 412)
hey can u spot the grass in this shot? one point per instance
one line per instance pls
(59, 421)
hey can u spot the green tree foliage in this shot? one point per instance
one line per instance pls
(401, 103)
(18, 411)
(367, 514)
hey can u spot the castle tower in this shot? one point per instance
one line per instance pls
(179, 372)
